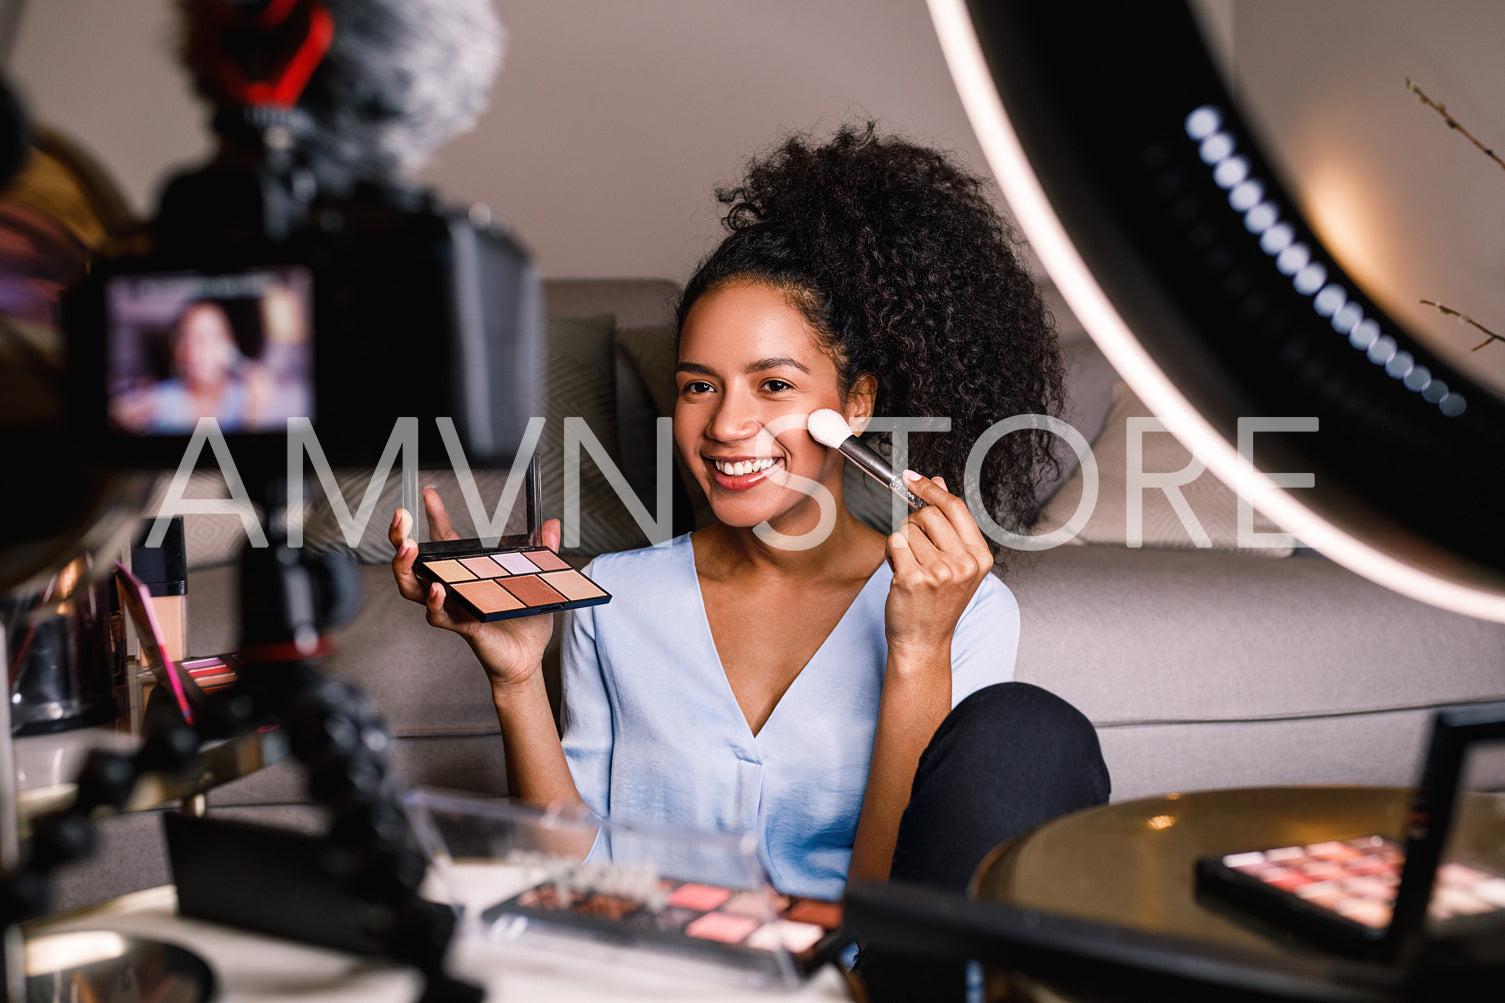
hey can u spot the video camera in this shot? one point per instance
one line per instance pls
(286, 281)
(294, 284)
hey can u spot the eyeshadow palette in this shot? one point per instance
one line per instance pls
(746, 928)
(1348, 884)
(498, 584)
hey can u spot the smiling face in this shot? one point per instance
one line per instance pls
(750, 370)
(204, 350)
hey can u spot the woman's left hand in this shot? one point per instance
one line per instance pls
(939, 557)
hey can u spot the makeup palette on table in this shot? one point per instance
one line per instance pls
(712, 921)
(696, 903)
(1441, 889)
(1357, 879)
(501, 583)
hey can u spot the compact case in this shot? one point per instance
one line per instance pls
(746, 929)
(693, 903)
(1342, 892)
(498, 583)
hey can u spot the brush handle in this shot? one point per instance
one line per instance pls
(878, 469)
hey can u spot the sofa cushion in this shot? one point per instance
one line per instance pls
(650, 354)
(1211, 505)
(1384, 748)
(1138, 637)
(579, 381)
(1089, 395)
(322, 529)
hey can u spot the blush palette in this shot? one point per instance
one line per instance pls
(741, 928)
(1358, 878)
(1441, 891)
(498, 584)
(1344, 892)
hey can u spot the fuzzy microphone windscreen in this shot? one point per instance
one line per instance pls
(401, 78)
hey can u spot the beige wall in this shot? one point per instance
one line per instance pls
(101, 71)
(610, 121)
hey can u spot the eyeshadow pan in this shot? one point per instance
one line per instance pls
(792, 937)
(1366, 911)
(451, 571)
(1285, 853)
(607, 906)
(1370, 864)
(548, 897)
(1331, 851)
(1321, 892)
(753, 904)
(515, 563)
(530, 590)
(1240, 861)
(1459, 902)
(1288, 881)
(487, 596)
(702, 897)
(548, 560)
(1369, 888)
(1459, 875)
(722, 927)
(483, 567)
(1492, 891)
(572, 584)
(826, 914)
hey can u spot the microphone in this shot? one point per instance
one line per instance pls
(395, 78)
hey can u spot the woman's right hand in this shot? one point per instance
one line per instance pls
(510, 650)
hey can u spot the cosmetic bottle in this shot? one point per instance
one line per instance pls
(164, 569)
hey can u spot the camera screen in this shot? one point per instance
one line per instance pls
(185, 345)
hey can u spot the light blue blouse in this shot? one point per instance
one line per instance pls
(653, 732)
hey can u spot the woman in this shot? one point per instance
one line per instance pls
(783, 670)
(210, 378)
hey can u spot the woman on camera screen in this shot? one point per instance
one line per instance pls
(843, 694)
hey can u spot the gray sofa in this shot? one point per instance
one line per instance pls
(1199, 669)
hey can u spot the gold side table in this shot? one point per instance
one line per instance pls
(1131, 864)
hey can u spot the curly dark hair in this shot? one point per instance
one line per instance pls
(899, 261)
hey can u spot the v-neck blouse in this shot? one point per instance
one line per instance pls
(653, 732)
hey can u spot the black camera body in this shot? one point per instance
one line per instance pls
(264, 300)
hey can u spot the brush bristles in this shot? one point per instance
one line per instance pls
(829, 428)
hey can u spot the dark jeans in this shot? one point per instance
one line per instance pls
(1006, 759)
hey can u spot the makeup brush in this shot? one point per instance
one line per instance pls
(829, 428)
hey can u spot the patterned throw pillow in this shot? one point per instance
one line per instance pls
(211, 540)
(652, 355)
(578, 382)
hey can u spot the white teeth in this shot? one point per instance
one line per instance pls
(743, 467)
